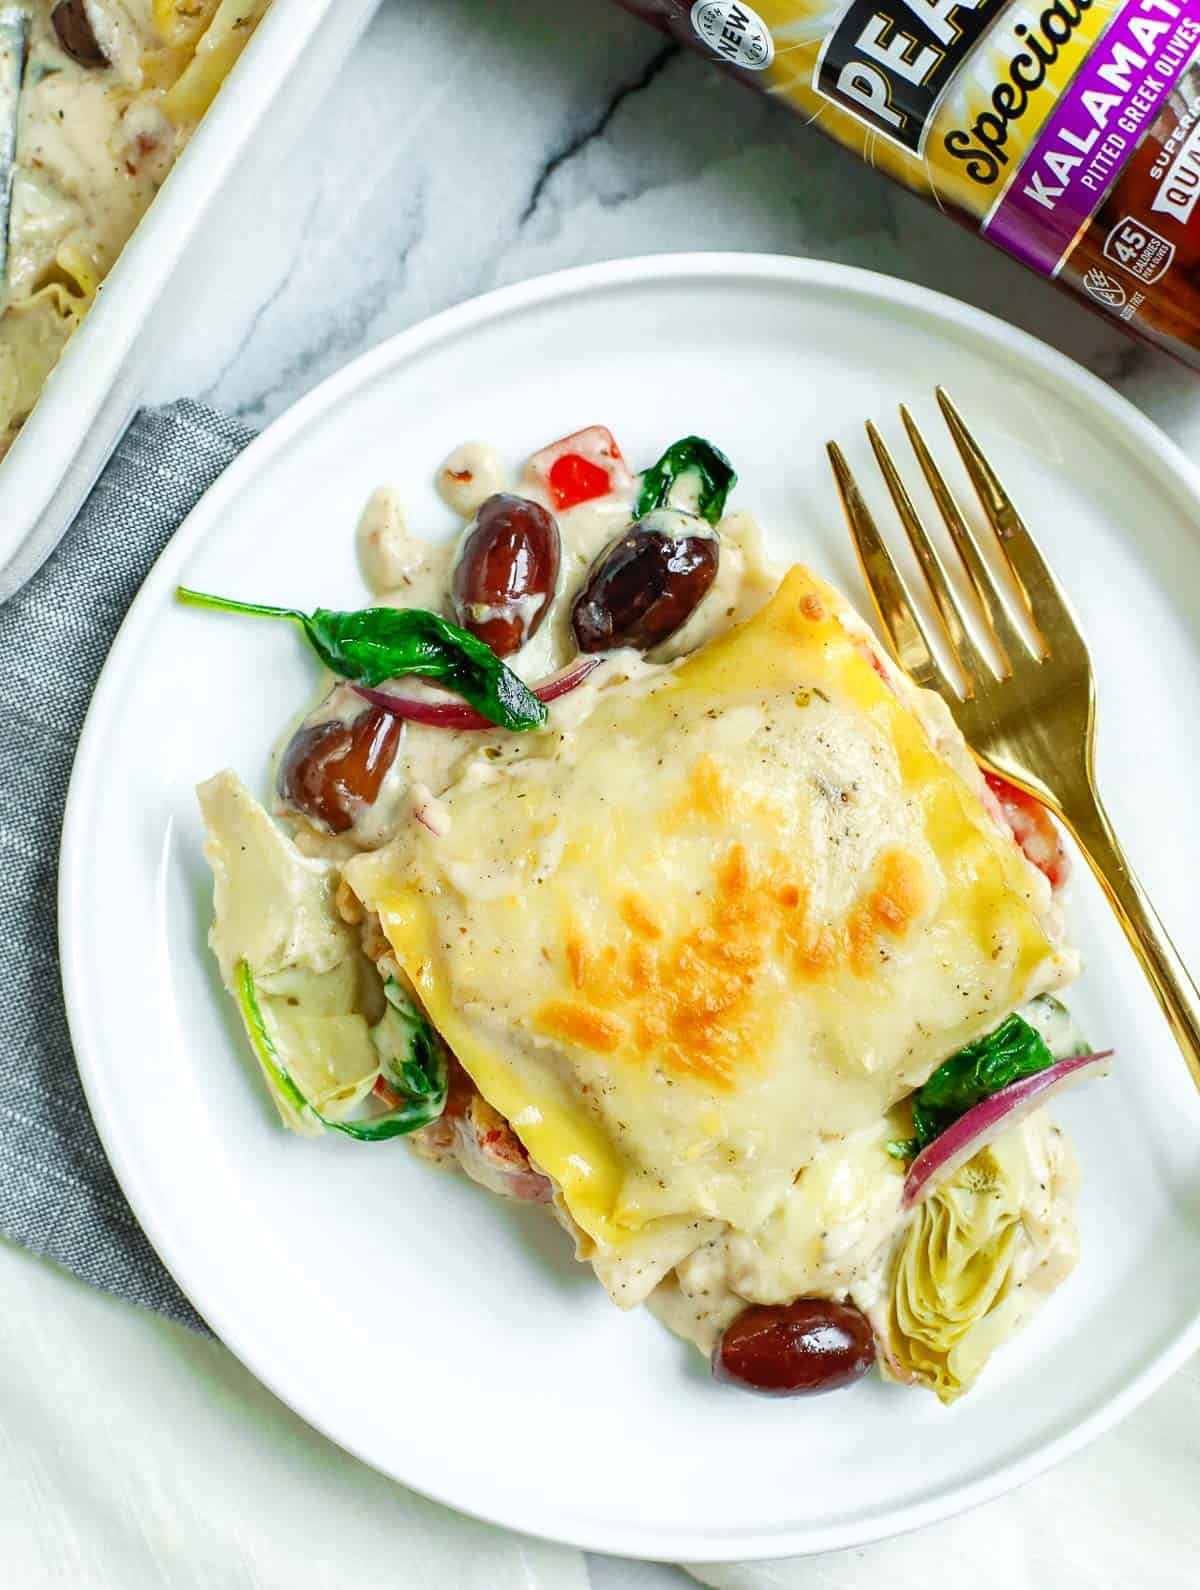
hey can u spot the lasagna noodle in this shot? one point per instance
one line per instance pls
(744, 907)
(223, 41)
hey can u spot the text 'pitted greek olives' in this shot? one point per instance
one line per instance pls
(506, 572)
(75, 33)
(648, 584)
(330, 771)
(795, 1349)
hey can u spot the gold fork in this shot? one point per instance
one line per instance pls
(1031, 716)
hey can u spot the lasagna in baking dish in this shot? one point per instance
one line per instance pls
(632, 878)
(97, 98)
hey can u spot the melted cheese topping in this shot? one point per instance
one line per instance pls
(743, 906)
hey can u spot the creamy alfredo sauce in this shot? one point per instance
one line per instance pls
(841, 1227)
(406, 570)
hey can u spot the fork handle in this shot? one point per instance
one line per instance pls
(1160, 960)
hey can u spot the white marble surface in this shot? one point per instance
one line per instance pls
(478, 142)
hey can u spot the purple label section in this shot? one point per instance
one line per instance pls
(1093, 129)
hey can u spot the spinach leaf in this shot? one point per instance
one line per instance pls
(692, 454)
(420, 1058)
(1013, 1050)
(264, 1045)
(410, 1055)
(379, 643)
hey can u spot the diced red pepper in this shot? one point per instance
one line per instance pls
(580, 467)
(575, 479)
(1033, 829)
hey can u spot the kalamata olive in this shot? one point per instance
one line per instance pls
(506, 572)
(795, 1349)
(75, 33)
(329, 771)
(647, 584)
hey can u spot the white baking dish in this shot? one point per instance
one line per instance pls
(89, 398)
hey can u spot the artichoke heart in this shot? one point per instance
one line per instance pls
(984, 1250)
(315, 994)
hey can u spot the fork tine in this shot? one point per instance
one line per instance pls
(902, 623)
(962, 643)
(1004, 632)
(1044, 599)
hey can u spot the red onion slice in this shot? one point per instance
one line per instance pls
(991, 1116)
(454, 714)
(566, 679)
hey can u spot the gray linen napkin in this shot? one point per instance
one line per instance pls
(58, 1195)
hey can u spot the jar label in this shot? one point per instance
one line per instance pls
(735, 33)
(1065, 131)
(888, 62)
(1083, 143)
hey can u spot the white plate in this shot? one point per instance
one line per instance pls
(450, 1339)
